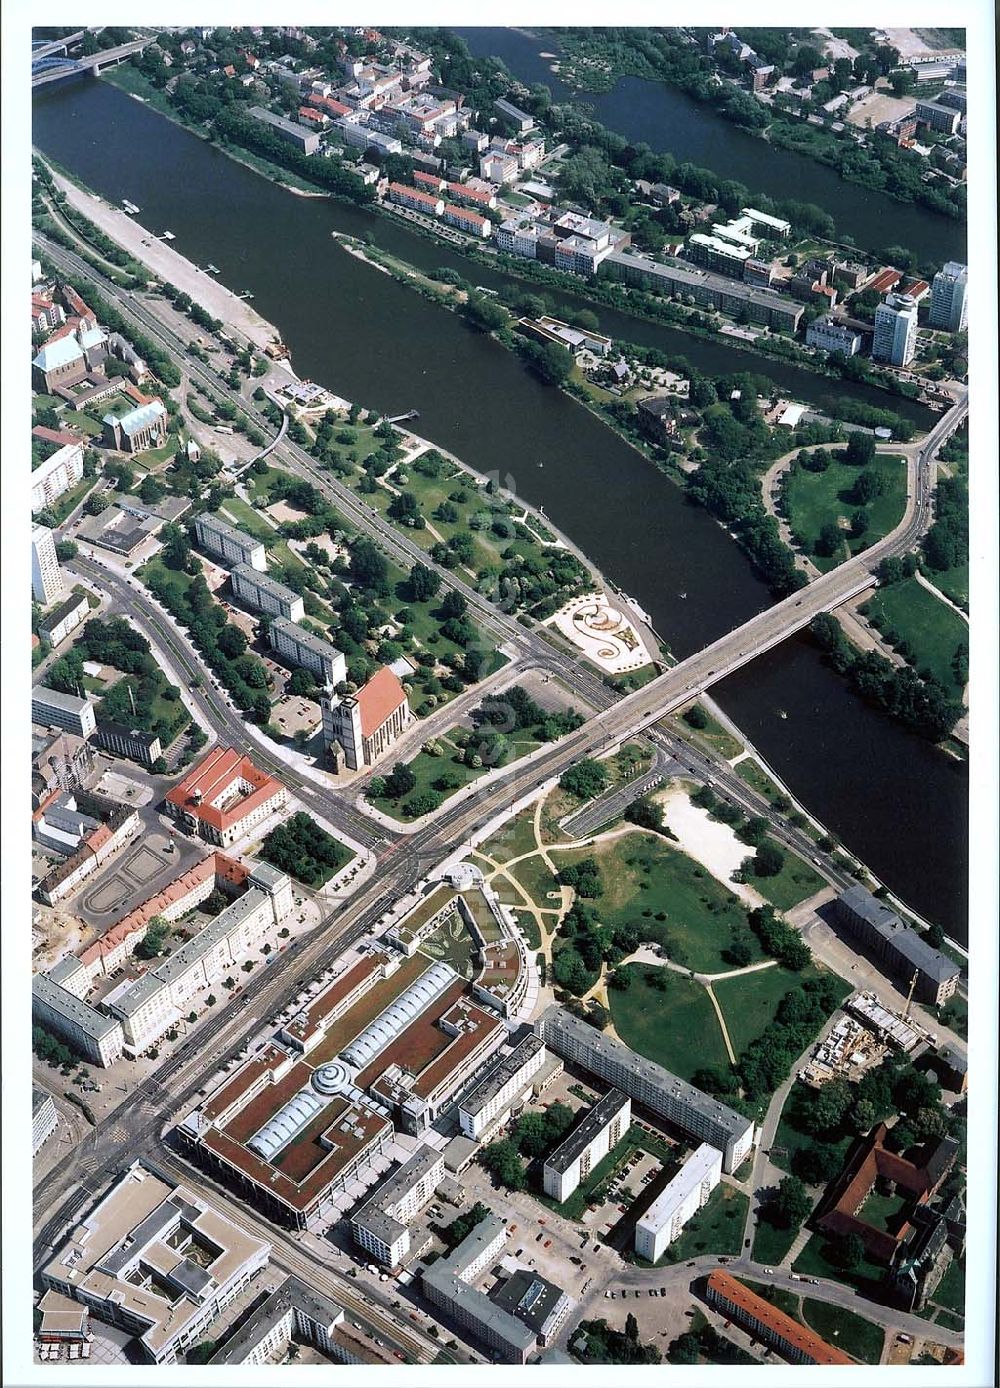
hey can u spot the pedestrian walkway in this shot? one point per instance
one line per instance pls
(798, 1243)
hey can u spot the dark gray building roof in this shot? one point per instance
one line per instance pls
(481, 1094)
(598, 1117)
(529, 1297)
(907, 942)
(293, 1295)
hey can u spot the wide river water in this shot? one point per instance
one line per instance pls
(895, 800)
(670, 121)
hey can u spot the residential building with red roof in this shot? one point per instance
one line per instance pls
(309, 115)
(362, 726)
(466, 220)
(45, 314)
(427, 181)
(765, 1322)
(470, 193)
(412, 197)
(224, 797)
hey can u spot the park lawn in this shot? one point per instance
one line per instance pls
(930, 627)
(812, 1262)
(528, 927)
(236, 510)
(771, 1244)
(850, 1332)
(749, 1001)
(259, 484)
(677, 1028)
(714, 734)
(953, 582)
(716, 1228)
(784, 1300)
(537, 880)
(757, 778)
(883, 1211)
(814, 499)
(950, 1291)
(130, 79)
(644, 875)
(427, 769)
(794, 883)
(69, 501)
(512, 839)
(948, 1321)
(153, 457)
(82, 423)
(173, 579)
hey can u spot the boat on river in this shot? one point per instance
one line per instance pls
(130, 207)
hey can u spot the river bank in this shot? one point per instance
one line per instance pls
(377, 341)
(169, 265)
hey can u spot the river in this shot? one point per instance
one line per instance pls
(376, 341)
(668, 120)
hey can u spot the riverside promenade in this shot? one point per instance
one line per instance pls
(168, 264)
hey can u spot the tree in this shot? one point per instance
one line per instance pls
(816, 1163)
(584, 780)
(768, 860)
(399, 782)
(424, 583)
(503, 1162)
(791, 1203)
(453, 605)
(860, 448)
(232, 641)
(867, 486)
(829, 541)
(696, 717)
(847, 1251)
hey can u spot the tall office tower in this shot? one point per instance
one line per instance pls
(949, 297)
(895, 330)
(46, 576)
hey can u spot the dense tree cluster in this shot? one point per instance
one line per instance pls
(608, 1346)
(767, 1060)
(922, 704)
(585, 779)
(779, 939)
(304, 850)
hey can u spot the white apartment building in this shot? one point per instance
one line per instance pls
(895, 330)
(262, 593)
(828, 336)
(574, 1159)
(380, 1225)
(156, 1260)
(489, 1102)
(64, 619)
(691, 1110)
(224, 541)
(304, 648)
(44, 1118)
(498, 167)
(46, 575)
(88, 1031)
(56, 475)
(52, 708)
(677, 1202)
(949, 298)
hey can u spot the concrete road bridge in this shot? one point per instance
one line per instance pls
(49, 65)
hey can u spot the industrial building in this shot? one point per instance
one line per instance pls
(681, 1198)
(157, 1261)
(694, 1113)
(603, 1128)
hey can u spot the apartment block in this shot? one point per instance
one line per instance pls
(949, 298)
(895, 330)
(64, 619)
(765, 1322)
(573, 1160)
(217, 537)
(307, 141)
(46, 575)
(305, 648)
(448, 1284)
(262, 593)
(56, 475)
(508, 1084)
(828, 336)
(695, 1113)
(681, 1198)
(81, 1026)
(431, 204)
(44, 1118)
(380, 1226)
(55, 709)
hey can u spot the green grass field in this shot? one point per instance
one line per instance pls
(794, 883)
(512, 839)
(428, 769)
(716, 1228)
(814, 499)
(537, 881)
(677, 1028)
(785, 1301)
(770, 1244)
(714, 735)
(953, 582)
(69, 501)
(749, 1001)
(646, 877)
(82, 423)
(857, 1337)
(811, 1262)
(758, 779)
(931, 629)
(251, 520)
(950, 1291)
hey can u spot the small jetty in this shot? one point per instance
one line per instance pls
(130, 207)
(213, 269)
(168, 236)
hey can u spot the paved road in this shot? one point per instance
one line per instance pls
(613, 802)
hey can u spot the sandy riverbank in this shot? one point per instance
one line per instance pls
(168, 264)
(707, 841)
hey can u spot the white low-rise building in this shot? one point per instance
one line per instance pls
(574, 1159)
(677, 1202)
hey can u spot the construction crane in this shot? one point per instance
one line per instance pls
(909, 996)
